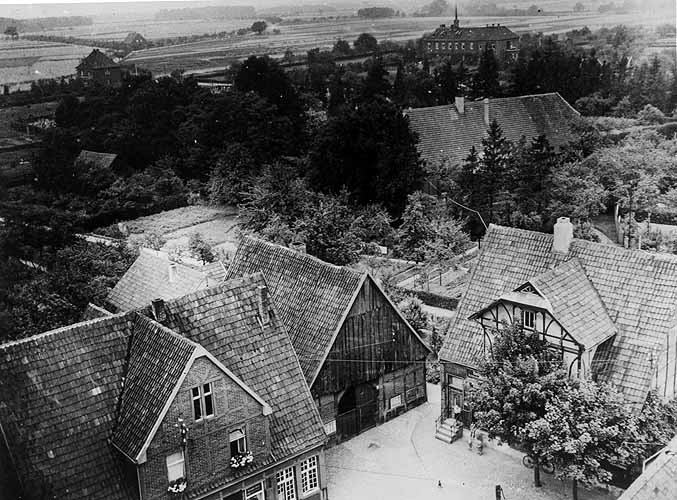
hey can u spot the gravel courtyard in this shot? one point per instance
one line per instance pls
(402, 460)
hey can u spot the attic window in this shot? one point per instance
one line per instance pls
(238, 442)
(203, 401)
(528, 319)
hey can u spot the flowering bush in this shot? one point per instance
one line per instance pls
(177, 487)
(241, 460)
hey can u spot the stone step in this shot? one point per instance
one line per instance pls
(442, 436)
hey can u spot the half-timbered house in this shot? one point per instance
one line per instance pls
(610, 312)
(363, 362)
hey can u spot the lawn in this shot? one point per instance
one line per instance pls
(180, 218)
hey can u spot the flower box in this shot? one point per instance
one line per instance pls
(176, 488)
(241, 460)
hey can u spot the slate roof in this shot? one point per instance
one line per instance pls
(444, 133)
(659, 479)
(58, 397)
(638, 289)
(157, 359)
(576, 303)
(62, 397)
(311, 296)
(224, 320)
(476, 33)
(97, 60)
(99, 160)
(148, 279)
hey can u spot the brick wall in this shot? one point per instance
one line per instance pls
(207, 454)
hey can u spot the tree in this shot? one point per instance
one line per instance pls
(376, 82)
(586, 428)
(199, 248)
(232, 175)
(259, 27)
(485, 81)
(365, 43)
(447, 84)
(412, 309)
(579, 7)
(416, 229)
(516, 385)
(370, 151)
(341, 48)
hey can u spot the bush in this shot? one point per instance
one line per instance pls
(650, 115)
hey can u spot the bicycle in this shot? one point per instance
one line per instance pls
(546, 466)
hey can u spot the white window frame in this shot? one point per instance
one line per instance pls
(202, 396)
(472, 45)
(174, 463)
(531, 315)
(285, 484)
(260, 494)
(310, 476)
(241, 441)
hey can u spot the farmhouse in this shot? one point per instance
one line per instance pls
(446, 133)
(363, 362)
(99, 68)
(154, 275)
(135, 41)
(203, 394)
(450, 41)
(610, 312)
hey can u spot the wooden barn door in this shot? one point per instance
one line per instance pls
(366, 396)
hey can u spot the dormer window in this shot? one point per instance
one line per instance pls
(238, 442)
(528, 319)
(175, 466)
(203, 401)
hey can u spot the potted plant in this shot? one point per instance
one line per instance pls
(177, 487)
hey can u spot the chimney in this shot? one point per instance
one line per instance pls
(563, 234)
(486, 112)
(264, 304)
(460, 104)
(158, 309)
(172, 272)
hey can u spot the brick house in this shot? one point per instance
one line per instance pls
(455, 41)
(446, 133)
(363, 362)
(97, 67)
(610, 312)
(202, 394)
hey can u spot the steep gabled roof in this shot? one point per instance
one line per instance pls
(224, 319)
(158, 361)
(148, 278)
(473, 33)
(58, 398)
(99, 160)
(446, 134)
(659, 479)
(575, 303)
(312, 296)
(97, 60)
(638, 290)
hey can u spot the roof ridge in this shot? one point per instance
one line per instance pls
(495, 99)
(304, 256)
(151, 322)
(62, 329)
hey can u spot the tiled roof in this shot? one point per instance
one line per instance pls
(148, 278)
(93, 312)
(157, 359)
(99, 160)
(638, 289)
(659, 479)
(58, 397)
(311, 296)
(444, 133)
(575, 303)
(224, 319)
(96, 60)
(476, 33)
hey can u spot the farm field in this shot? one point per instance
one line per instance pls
(208, 55)
(24, 61)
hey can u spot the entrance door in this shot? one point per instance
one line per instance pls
(454, 402)
(357, 410)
